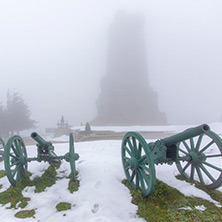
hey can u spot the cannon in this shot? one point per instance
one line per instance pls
(16, 159)
(197, 153)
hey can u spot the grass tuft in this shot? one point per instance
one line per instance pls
(73, 185)
(2, 173)
(62, 206)
(25, 213)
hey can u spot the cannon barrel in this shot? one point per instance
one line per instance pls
(40, 140)
(187, 134)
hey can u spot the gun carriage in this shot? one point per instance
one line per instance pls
(197, 153)
(16, 159)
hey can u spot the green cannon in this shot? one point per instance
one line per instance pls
(197, 153)
(16, 159)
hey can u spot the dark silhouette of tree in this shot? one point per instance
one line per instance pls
(17, 114)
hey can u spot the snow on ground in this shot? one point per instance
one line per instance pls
(217, 127)
(134, 128)
(101, 195)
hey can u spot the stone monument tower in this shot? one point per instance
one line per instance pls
(126, 97)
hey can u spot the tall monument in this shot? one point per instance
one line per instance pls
(126, 97)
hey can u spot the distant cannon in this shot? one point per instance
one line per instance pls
(16, 160)
(197, 153)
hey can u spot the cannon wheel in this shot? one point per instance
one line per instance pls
(15, 159)
(138, 165)
(204, 159)
(72, 157)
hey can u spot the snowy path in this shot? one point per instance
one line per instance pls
(101, 195)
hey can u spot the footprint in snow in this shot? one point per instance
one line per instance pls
(95, 208)
(98, 184)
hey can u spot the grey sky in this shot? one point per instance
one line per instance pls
(54, 54)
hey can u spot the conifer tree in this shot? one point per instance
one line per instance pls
(17, 114)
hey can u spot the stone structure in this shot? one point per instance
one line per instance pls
(63, 128)
(126, 97)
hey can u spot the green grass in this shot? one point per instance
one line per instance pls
(25, 213)
(73, 185)
(165, 202)
(47, 179)
(62, 206)
(2, 173)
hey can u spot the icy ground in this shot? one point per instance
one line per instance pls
(101, 196)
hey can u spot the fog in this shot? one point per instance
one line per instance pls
(54, 54)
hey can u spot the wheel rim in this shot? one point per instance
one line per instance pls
(203, 159)
(72, 157)
(138, 165)
(15, 159)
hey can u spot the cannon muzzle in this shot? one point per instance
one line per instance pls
(187, 134)
(40, 140)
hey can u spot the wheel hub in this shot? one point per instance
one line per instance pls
(22, 159)
(133, 163)
(197, 157)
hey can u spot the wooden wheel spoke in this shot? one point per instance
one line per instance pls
(207, 173)
(192, 172)
(142, 159)
(145, 168)
(126, 166)
(200, 175)
(215, 155)
(144, 176)
(133, 175)
(186, 166)
(17, 146)
(11, 155)
(183, 151)
(142, 181)
(131, 147)
(19, 173)
(14, 150)
(126, 158)
(212, 166)
(137, 180)
(139, 150)
(192, 143)
(199, 142)
(23, 150)
(13, 164)
(186, 146)
(15, 171)
(207, 146)
(128, 151)
(134, 144)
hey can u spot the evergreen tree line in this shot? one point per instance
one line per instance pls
(15, 116)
